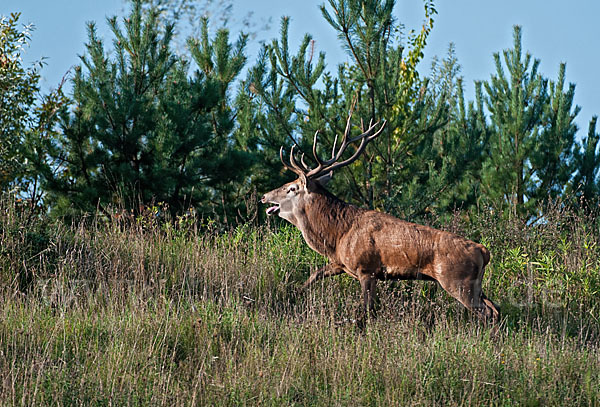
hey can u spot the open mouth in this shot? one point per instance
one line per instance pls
(273, 209)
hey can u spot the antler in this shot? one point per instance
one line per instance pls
(332, 164)
(294, 166)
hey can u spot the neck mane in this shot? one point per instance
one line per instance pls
(328, 218)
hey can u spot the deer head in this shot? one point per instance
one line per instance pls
(290, 200)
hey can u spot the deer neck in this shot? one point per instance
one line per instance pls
(326, 219)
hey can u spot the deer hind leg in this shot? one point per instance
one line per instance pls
(468, 292)
(493, 309)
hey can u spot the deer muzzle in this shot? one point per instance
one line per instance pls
(272, 209)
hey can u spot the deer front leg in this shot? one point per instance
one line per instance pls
(368, 283)
(328, 270)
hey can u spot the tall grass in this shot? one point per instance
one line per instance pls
(144, 312)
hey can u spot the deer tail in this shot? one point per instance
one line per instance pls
(485, 253)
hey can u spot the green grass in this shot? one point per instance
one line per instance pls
(136, 312)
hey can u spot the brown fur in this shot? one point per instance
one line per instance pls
(371, 246)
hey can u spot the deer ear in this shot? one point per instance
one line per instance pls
(324, 179)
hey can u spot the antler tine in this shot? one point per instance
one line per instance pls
(297, 168)
(345, 140)
(374, 135)
(305, 167)
(364, 138)
(321, 165)
(329, 165)
(281, 158)
(294, 167)
(314, 149)
(333, 148)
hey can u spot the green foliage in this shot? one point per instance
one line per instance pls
(584, 187)
(414, 161)
(144, 127)
(142, 130)
(532, 132)
(551, 159)
(18, 88)
(446, 165)
(27, 119)
(298, 97)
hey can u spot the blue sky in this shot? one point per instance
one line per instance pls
(553, 31)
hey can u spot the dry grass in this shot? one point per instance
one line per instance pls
(138, 312)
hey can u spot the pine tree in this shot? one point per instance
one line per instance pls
(551, 160)
(385, 77)
(532, 132)
(293, 96)
(455, 155)
(267, 119)
(447, 164)
(142, 130)
(223, 158)
(584, 188)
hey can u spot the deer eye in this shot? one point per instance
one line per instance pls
(292, 188)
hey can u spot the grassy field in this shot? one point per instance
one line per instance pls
(142, 312)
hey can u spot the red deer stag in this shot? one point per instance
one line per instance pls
(370, 245)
